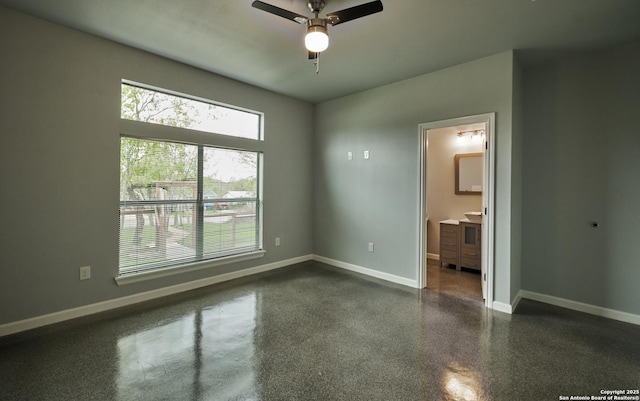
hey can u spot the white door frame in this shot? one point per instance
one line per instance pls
(488, 199)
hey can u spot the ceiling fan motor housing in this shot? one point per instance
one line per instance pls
(321, 23)
(316, 5)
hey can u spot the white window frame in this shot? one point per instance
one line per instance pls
(156, 132)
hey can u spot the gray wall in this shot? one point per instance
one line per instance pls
(59, 154)
(376, 200)
(516, 179)
(581, 164)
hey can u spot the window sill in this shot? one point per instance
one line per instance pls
(170, 271)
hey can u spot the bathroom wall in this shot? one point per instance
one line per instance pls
(442, 201)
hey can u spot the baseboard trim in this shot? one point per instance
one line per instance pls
(57, 317)
(433, 256)
(368, 272)
(502, 307)
(582, 307)
(61, 316)
(516, 301)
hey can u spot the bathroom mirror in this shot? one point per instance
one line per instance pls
(468, 173)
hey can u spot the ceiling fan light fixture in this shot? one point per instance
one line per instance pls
(317, 38)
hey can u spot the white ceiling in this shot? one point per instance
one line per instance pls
(408, 38)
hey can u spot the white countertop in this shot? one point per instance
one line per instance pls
(457, 222)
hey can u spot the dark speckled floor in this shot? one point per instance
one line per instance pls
(447, 280)
(312, 332)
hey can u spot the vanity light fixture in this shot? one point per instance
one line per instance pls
(473, 136)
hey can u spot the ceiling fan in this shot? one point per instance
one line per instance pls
(317, 37)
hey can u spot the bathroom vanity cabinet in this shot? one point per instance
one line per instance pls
(449, 235)
(460, 243)
(470, 245)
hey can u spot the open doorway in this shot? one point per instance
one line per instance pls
(462, 253)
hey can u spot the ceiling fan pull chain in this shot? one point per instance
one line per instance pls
(316, 61)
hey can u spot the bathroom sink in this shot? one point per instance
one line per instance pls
(474, 217)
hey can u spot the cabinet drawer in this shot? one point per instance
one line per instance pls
(449, 234)
(469, 253)
(449, 254)
(448, 230)
(448, 243)
(450, 249)
(473, 263)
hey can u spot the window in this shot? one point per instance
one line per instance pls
(142, 104)
(181, 202)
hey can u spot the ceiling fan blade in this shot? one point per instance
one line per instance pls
(281, 12)
(352, 13)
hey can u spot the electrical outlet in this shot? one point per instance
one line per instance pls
(277, 241)
(366, 154)
(85, 272)
(349, 155)
(370, 246)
